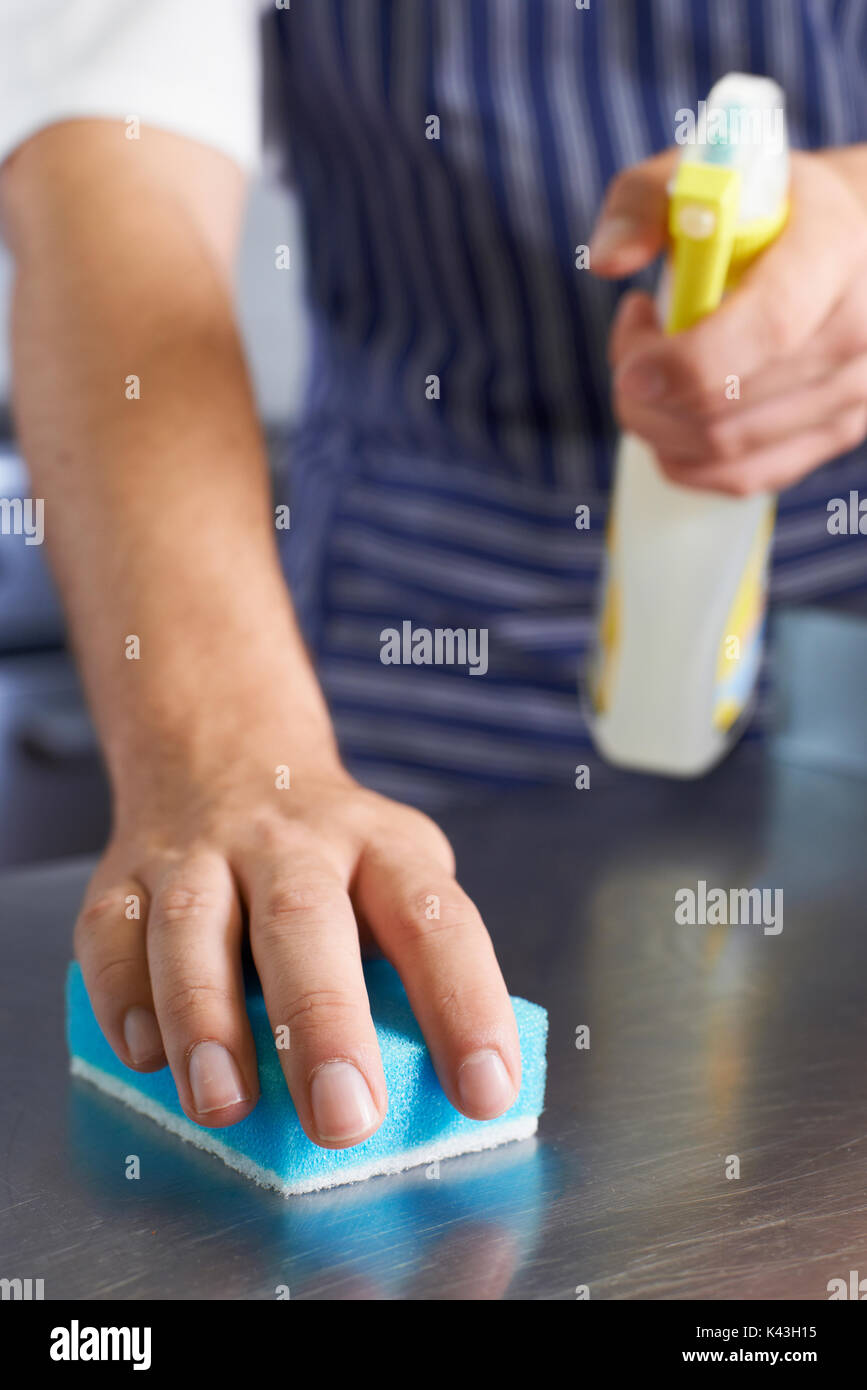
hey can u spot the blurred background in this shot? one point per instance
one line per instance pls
(53, 796)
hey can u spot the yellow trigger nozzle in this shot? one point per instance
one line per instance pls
(702, 218)
(710, 249)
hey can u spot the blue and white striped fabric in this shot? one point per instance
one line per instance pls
(454, 257)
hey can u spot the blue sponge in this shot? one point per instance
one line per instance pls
(270, 1146)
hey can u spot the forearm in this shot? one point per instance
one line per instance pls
(158, 515)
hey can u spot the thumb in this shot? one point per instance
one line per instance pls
(633, 225)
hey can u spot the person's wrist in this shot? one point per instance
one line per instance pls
(229, 752)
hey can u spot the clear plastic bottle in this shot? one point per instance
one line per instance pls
(681, 624)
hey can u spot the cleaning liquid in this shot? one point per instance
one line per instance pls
(680, 632)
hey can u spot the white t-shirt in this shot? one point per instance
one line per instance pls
(189, 66)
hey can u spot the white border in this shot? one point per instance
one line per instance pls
(488, 1137)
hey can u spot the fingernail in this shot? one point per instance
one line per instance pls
(343, 1107)
(484, 1085)
(141, 1033)
(215, 1080)
(642, 383)
(611, 234)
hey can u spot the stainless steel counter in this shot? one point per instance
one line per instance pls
(706, 1043)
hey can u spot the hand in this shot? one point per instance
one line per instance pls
(222, 691)
(306, 864)
(794, 332)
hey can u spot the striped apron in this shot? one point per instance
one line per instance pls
(450, 156)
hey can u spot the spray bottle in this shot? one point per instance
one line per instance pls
(680, 632)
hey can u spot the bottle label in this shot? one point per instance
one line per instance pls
(740, 651)
(607, 632)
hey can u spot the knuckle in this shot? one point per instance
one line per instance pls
(720, 439)
(741, 484)
(98, 914)
(776, 324)
(415, 832)
(296, 907)
(110, 974)
(187, 1001)
(692, 376)
(317, 1010)
(439, 844)
(179, 904)
(617, 192)
(271, 834)
(458, 1006)
(424, 915)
